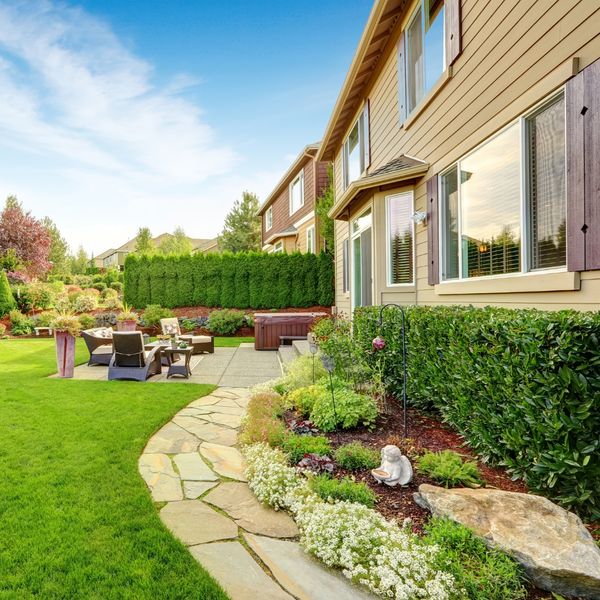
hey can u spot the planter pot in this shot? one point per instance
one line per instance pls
(65, 353)
(126, 325)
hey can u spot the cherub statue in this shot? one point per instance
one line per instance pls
(395, 467)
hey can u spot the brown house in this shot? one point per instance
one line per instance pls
(288, 215)
(466, 151)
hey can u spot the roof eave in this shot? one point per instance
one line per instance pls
(372, 182)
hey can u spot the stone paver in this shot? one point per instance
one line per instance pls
(241, 504)
(226, 461)
(172, 439)
(207, 432)
(159, 475)
(193, 522)
(174, 465)
(237, 572)
(301, 575)
(192, 468)
(195, 489)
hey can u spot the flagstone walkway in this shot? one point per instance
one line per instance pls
(193, 467)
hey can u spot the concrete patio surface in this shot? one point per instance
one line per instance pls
(229, 367)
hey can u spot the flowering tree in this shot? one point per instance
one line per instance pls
(24, 237)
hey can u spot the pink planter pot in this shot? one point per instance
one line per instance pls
(126, 325)
(65, 353)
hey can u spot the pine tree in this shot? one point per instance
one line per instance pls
(242, 230)
(7, 301)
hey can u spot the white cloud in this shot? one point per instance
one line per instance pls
(70, 88)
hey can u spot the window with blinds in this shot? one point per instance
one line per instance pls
(545, 133)
(485, 220)
(400, 229)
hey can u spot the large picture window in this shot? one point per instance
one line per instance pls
(425, 61)
(400, 236)
(491, 224)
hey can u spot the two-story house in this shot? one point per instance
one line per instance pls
(289, 221)
(466, 150)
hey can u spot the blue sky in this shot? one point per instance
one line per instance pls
(120, 114)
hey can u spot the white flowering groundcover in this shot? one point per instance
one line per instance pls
(370, 550)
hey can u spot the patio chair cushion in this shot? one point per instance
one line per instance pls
(170, 326)
(105, 349)
(196, 339)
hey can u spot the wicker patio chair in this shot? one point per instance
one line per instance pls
(99, 344)
(199, 343)
(130, 360)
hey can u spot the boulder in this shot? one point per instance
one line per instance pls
(556, 550)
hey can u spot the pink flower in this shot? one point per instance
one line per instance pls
(378, 343)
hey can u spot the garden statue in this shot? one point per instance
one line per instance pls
(395, 467)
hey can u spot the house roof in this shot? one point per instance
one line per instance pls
(309, 151)
(402, 168)
(289, 232)
(383, 20)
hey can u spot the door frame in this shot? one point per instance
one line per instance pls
(354, 235)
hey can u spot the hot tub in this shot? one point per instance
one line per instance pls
(269, 328)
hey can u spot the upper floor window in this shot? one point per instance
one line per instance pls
(356, 155)
(503, 206)
(424, 55)
(269, 218)
(297, 193)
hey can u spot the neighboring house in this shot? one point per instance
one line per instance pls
(288, 215)
(466, 151)
(115, 258)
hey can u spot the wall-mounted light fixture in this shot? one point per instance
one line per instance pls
(419, 217)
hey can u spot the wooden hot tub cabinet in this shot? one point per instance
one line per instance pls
(270, 327)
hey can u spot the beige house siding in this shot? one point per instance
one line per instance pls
(514, 54)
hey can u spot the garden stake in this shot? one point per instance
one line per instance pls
(379, 325)
(312, 346)
(329, 365)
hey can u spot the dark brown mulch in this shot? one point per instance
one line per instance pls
(424, 433)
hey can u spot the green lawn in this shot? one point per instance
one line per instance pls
(76, 519)
(232, 342)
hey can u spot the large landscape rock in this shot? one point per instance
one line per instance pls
(552, 544)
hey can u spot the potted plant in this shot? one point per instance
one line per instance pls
(66, 327)
(127, 320)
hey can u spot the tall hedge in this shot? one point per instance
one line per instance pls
(242, 280)
(7, 300)
(522, 386)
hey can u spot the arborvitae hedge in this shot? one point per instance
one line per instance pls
(243, 280)
(522, 386)
(7, 301)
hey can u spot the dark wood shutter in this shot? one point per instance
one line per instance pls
(452, 23)
(401, 80)
(433, 234)
(583, 169)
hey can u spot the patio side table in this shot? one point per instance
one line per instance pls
(178, 367)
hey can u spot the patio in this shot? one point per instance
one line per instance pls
(228, 367)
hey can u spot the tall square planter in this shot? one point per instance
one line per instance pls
(65, 353)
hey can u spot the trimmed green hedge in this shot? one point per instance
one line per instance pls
(243, 280)
(522, 386)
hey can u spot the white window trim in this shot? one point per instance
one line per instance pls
(524, 209)
(346, 266)
(311, 229)
(298, 178)
(353, 236)
(363, 138)
(388, 240)
(278, 247)
(269, 219)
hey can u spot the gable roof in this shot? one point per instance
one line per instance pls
(310, 151)
(384, 18)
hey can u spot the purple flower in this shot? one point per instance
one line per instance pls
(378, 343)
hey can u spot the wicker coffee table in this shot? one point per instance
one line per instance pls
(176, 366)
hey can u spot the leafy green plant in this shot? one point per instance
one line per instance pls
(153, 313)
(225, 322)
(299, 445)
(67, 323)
(7, 301)
(127, 314)
(87, 321)
(354, 456)
(329, 488)
(449, 468)
(85, 302)
(348, 409)
(304, 398)
(20, 324)
(521, 386)
(299, 374)
(2, 329)
(187, 325)
(262, 422)
(483, 573)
